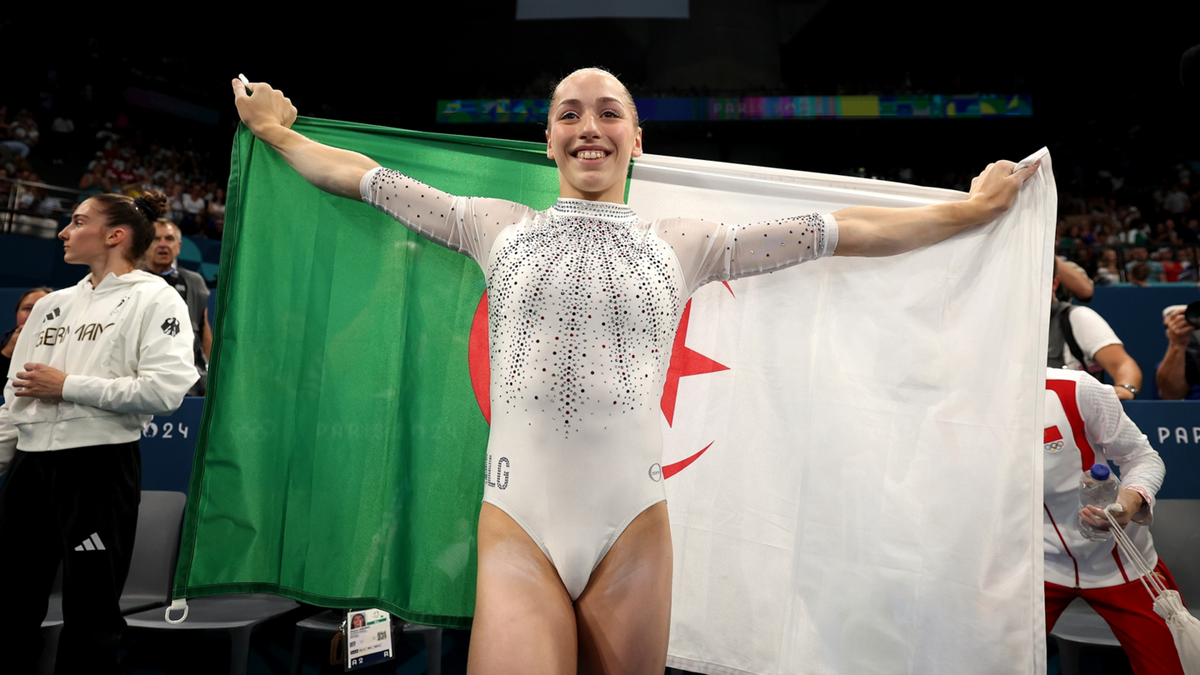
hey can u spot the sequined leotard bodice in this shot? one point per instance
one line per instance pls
(583, 303)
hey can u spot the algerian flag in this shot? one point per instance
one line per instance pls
(868, 495)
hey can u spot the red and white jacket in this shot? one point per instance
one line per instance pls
(1085, 424)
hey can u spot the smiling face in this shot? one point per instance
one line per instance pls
(593, 133)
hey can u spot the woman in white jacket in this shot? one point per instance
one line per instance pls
(95, 362)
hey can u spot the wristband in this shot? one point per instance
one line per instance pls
(1144, 495)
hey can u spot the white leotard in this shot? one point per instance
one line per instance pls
(583, 303)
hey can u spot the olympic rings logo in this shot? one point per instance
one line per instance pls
(1054, 447)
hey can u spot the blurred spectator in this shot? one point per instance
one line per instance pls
(161, 259)
(24, 308)
(1189, 234)
(193, 207)
(1176, 201)
(175, 201)
(94, 183)
(50, 205)
(1178, 375)
(216, 215)
(1107, 271)
(1154, 274)
(1164, 234)
(1138, 274)
(1137, 234)
(1108, 235)
(1071, 238)
(62, 134)
(1171, 269)
(23, 134)
(1187, 265)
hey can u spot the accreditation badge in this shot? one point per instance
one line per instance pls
(368, 638)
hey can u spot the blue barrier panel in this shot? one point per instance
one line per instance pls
(168, 445)
(28, 262)
(1173, 428)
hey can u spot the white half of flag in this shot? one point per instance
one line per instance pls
(870, 499)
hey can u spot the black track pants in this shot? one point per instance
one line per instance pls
(78, 507)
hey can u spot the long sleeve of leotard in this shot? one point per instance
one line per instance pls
(1108, 427)
(713, 251)
(467, 225)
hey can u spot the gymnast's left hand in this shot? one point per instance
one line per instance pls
(40, 381)
(995, 190)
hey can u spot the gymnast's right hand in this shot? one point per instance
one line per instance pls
(263, 109)
(269, 115)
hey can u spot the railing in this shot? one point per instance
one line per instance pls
(34, 209)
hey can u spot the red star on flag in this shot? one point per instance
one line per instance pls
(684, 362)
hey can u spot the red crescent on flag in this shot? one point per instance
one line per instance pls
(478, 360)
(672, 469)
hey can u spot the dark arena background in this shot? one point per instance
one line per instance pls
(925, 93)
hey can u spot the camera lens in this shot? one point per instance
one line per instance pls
(1192, 314)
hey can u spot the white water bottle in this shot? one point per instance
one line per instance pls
(1097, 487)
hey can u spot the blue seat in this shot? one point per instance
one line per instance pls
(238, 615)
(155, 549)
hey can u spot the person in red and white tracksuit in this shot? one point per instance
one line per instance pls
(1085, 424)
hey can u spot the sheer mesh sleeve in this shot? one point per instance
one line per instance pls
(1110, 428)
(467, 225)
(711, 251)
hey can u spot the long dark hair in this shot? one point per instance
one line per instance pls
(40, 289)
(137, 214)
(26, 294)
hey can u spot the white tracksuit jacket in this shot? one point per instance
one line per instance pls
(126, 346)
(1085, 424)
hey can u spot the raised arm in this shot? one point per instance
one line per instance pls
(269, 115)
(468, 225)
(877, 231)
(1121, 368)
(1075, 279)
(1171, 376)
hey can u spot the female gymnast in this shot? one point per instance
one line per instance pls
(584, 300)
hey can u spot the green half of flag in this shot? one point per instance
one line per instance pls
(341, 459)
